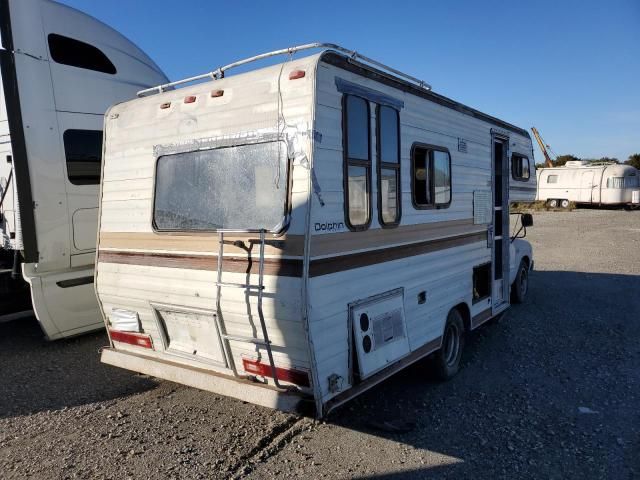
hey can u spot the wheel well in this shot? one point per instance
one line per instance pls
(463, 308)
(526, 260)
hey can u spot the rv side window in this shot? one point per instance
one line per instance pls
(615, 182)
(83, 151)
(520, 167)
(388, 135)
(431, 176)
(357, 154)
(552, 179)
(75, 53)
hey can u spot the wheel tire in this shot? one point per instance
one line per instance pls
(553, 203)
(520, 286)
(564, 203)
(447, 359)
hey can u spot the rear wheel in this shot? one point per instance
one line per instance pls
(564, 203)
(520, 286)
(553, 203)
(447, 359)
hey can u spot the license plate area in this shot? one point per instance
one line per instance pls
(190, 333)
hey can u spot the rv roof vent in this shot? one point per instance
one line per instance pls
(190, 99)
(217, 93)
(576, 163)
(165, 105)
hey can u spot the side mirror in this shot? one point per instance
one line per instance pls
(527, 220)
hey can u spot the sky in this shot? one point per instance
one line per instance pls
(569, 68)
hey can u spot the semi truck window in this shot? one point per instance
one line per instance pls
(75, 53)
(520, 167)
(357, 154)
(552, 179)
(431, 176)
(83, 151)
(388, 135)
(243, 187)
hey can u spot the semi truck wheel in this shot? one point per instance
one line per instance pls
(520, 286)
(447, 359)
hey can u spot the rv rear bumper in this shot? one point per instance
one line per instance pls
(240, 389)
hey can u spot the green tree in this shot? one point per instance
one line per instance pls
(634, 160)
(609, 159)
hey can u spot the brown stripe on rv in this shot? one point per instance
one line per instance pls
(290, 267)
(336, 243)
(288, 245)
(278, 267)
(356, 260)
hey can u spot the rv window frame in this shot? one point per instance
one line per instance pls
(287, 198)
(108, 67)
(430, 206)
(380, 165)
(554, 175)
(514, 156)
(355, 162)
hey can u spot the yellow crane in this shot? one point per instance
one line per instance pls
(543, 147)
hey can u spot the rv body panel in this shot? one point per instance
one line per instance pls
(57, 109)
(589, 185)
(152, 272)
(326, 284)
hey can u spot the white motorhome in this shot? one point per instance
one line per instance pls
(584, 183)
(295, 234)
(61, 70)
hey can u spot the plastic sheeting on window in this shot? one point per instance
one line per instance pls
(240, 187)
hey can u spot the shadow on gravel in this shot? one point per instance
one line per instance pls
(37, 375)
(517, 404)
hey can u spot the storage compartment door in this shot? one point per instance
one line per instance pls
(380, 331)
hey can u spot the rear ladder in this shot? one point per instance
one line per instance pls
(264, 342)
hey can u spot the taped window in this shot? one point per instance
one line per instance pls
(83, 152)
(431, 176)
(357, 154)
(388, 136)
(69, 51)
(241, 187)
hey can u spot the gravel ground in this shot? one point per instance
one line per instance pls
(551, 390)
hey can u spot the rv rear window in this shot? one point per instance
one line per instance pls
(431, 176)
(357, 155)
(83, 151)
(388, 135)
(69, 51)
(552, 179)
(520, 167)
(243, 187)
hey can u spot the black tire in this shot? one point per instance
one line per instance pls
(520, 286)
(446, 361)
(564, 203)
(553, 203)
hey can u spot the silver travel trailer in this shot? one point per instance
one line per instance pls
(588, 184)
(61, 70)
(297, 233)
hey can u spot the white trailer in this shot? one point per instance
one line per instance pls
(587, 184)
(61, 70)
(295, 234)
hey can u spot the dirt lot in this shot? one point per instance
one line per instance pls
(551, 391)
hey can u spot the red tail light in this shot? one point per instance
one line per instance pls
(286, 375)
(295, 74)
(132, 338)
(217, 93)
(190, 99)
